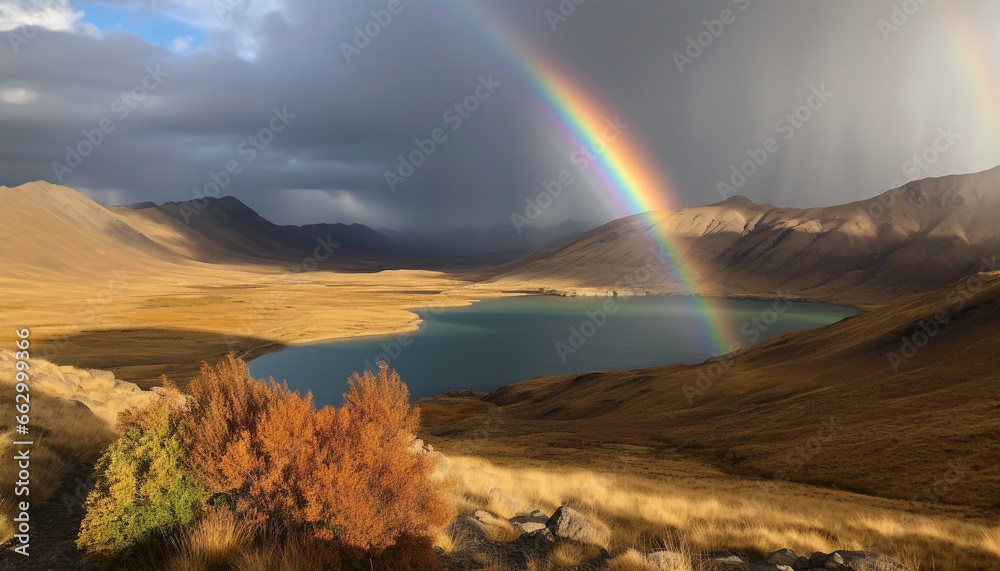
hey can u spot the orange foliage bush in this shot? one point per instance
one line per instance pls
(371, 488)
(345, 474)
(239, 440)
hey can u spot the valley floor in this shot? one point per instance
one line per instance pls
(141, 326)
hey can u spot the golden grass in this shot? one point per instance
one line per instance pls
(632, 560)
(221, 541)
(215, 542)
(718, 515)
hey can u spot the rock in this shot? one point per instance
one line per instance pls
(801, 564)
(530, 522)
(835, 563)
(488, 518)
(468, 527)
(570, 524)
(530, 526)
(818, 559)
(782, 557)
(536, 516)
(861, 559)
(769, 567)
(535, 545)
(726, 563)
(668, 560)
(475, 526)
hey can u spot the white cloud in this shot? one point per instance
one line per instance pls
(182, 44)
(238, 19)
(55, 15)
(19, 96)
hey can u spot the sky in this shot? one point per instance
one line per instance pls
(309, 110)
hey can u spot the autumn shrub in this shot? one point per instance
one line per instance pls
(240, 437)
(348, 476)
(370, 488)
(143, 489)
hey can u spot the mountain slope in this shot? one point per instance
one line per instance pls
(921, 236)
(885, 402)
(216, 228)
(47, 229)
(495, 239)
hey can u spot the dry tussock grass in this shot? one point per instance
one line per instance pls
(71, 422)
(720, 516)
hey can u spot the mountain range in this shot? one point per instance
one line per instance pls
(907, 240)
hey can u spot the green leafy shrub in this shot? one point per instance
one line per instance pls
(143, 489)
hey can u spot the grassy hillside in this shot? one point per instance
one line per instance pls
(72, 419)
(824, 407)
(863, 253)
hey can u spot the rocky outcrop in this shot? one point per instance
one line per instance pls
(531, 536)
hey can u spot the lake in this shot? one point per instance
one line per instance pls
(502, 341)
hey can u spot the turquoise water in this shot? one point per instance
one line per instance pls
(501, 341)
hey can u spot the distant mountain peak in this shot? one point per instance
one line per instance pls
(738, 200)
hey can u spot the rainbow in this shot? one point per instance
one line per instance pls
(632, 178)
(978, 63)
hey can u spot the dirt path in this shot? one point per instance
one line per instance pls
(54, 527)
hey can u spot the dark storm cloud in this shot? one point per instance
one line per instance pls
(352, 119)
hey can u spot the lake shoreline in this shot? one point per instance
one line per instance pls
(505, 340)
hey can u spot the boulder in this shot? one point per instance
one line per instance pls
(801, 564)
(782, 557)
(570, 524)
(859, 560)
(530, 526)
(726, 563)
(536, 516)
(835, 563)
(530, 522)
(668, 560)
(535, 545)
(818, 559)
(467, 527)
